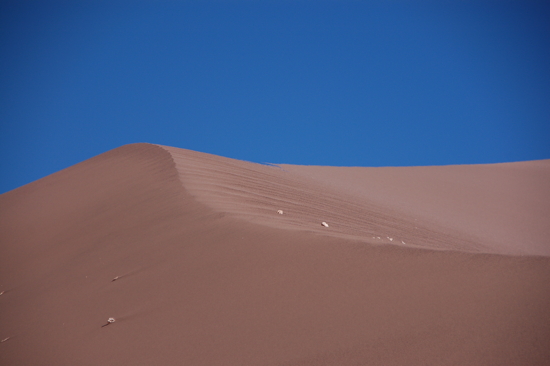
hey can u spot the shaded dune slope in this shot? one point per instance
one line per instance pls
(186, 251)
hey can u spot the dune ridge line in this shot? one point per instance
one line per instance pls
(256, 192)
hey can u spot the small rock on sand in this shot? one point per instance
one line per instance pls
(109, 321)
(324, 224)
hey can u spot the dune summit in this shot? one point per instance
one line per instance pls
(153, 255)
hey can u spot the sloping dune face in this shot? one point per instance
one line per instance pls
(500, 208)
(504, 206)
(189, 256)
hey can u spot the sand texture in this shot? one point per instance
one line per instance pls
(188, 254)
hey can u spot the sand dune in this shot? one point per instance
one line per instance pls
(504, 206)
(187, 252)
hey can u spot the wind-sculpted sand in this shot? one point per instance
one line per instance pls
(151, 255)
(429, 207)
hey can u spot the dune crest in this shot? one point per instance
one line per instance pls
(354, 202)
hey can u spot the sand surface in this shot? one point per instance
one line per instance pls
(187, 252)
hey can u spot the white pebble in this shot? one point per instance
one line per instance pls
(324, 224)
(109, 321)
(280, 212)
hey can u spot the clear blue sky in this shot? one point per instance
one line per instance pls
(347, 83)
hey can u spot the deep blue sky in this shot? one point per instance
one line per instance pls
(382, 83)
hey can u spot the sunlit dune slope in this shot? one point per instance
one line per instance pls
(499, 208)
(505, 206)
